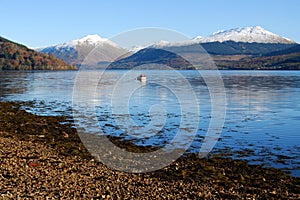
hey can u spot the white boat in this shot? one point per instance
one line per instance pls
(142, 78)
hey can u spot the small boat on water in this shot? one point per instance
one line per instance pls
(142, 78)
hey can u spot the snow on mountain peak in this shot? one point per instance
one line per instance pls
(247, 34)
(159, 44)
(93, 40)
(162, 43)
(197, 38)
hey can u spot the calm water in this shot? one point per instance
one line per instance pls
(262, 109)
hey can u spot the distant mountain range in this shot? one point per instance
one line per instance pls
(240, 48)
(14, 56)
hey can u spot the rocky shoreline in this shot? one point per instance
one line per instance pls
(41, 158)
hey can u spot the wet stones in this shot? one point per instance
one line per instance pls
(41, 158)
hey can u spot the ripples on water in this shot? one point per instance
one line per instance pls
(262, 116)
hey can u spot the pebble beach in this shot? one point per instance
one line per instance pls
(42, 158)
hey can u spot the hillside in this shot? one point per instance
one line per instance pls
(294, 49)
(230, 48)
(288, 59)
(15, 56)
(236, 48)
(149, 56)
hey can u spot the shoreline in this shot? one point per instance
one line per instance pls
(41, 157)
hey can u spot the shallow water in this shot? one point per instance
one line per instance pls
(262, 108)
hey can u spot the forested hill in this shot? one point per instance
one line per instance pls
(15, 56)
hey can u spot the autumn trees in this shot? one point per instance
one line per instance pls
(15, 56)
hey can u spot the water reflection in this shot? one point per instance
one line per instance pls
(12, 83)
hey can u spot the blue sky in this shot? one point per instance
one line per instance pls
(40, 23)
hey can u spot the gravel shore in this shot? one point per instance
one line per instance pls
(44, 159)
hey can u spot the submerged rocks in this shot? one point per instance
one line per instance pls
(42, 159)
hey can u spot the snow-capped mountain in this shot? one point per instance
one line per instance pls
(75, 51)
(92, 40)
(248, 34)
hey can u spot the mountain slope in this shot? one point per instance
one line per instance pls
(76, 51)
(294, 49)
(288, 59)
(150, 56)
(15, 56)
(231, 48)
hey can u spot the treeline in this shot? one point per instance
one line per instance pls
(15, 56)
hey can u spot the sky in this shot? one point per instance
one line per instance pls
(37, 23)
